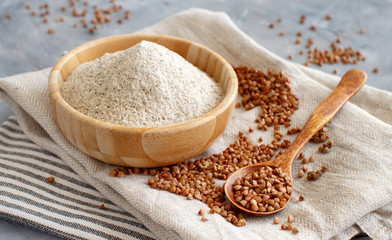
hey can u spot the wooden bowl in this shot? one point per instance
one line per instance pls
(143, 146)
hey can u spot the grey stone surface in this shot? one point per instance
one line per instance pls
(26, 46)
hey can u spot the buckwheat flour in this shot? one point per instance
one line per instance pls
(146, 85)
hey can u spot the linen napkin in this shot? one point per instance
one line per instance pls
(353, 196)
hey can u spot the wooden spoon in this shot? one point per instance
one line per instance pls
(351, 82)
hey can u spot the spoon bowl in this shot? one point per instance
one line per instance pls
(350, 84)
(229, 184)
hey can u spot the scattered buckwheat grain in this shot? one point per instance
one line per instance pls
(301, 173)
(302, 19)
(202, 212)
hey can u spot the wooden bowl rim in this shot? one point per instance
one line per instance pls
(226, 102)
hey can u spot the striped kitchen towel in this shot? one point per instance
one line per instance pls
(67, 207)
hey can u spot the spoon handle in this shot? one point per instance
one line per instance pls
(350, 84)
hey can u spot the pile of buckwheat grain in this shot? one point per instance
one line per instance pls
(196, 179)
(271, 92)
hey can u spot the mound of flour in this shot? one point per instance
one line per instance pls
(146, 85)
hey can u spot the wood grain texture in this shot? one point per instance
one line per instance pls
(350, 84)
(137, 146)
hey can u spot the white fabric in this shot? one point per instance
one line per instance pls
(354, 194)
